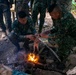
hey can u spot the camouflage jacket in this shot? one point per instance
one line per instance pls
(22, 30)
(66, 33)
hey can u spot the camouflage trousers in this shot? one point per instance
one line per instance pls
(22, 6)
(5, 9)
(39, 8)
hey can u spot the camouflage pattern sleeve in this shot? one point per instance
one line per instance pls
(15, 28)
(67, 34)
(14, 25)
(32, 27)
(70, 23)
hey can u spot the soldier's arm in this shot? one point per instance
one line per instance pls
(16, 30)
(32, 28)
(71, 26)
(47, 36)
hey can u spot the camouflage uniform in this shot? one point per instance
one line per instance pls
(65, 4)
(65, 33)
(19, 32)
(39, 7)
(5, 9)
(22, 5)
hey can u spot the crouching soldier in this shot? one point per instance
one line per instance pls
(22, 30)
(64, 33)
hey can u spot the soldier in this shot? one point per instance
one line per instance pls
(22, 29)
(39, 6)
(5, 9)
(22, 5)
(64, 32)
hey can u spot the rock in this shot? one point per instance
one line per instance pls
(72, 59)
(4, 70)
(71, 62)
(72, 71)
(74, 49)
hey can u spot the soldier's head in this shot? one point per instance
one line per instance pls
(54, 11)
(22, 18)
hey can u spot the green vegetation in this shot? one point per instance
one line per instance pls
(73, 5)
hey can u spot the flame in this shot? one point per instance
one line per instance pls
(33, 58)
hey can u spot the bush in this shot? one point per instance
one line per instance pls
(73, 5)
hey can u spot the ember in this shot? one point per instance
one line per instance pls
(31, 57)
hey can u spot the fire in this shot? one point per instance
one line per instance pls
(33, 58)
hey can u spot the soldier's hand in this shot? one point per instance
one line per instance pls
(38, 35)
(43, 35)
(31, 37)
(36, 45)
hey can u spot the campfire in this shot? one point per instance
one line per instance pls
(33, 58)
(33, 61)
